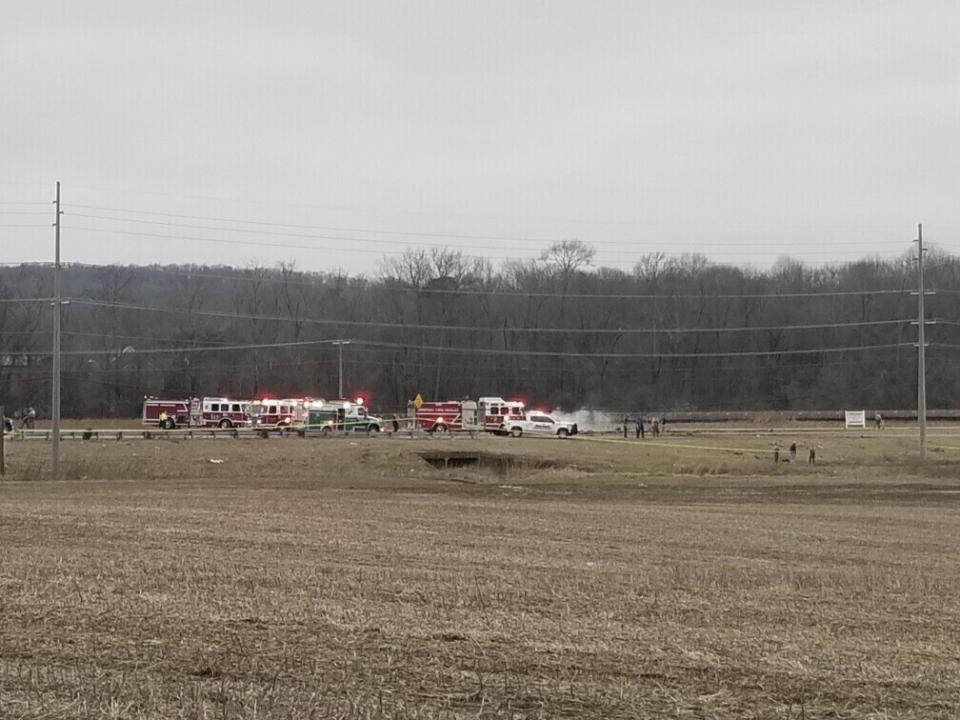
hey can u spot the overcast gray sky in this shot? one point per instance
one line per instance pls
(744, 130)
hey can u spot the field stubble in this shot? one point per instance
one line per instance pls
(310, 578)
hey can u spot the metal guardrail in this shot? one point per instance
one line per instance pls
(120, 434)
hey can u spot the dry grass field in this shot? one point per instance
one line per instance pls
(589, 578)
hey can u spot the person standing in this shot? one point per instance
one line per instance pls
(626, 424)
(639, 426)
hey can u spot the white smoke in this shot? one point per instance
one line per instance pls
(594, 420)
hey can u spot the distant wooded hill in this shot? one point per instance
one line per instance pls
(676, 333)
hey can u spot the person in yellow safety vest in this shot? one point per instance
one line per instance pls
(163, 419)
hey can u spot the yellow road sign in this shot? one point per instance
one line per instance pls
(417, 401)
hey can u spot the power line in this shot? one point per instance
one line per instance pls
(665, 356)
(179, 350)
(317, 280)
(25, 300)
(44, 333)
(389, 242)
(490, 351)
(334, 228)
(276, 233)
(653, 296)
(486, 329)
(285, 246)
(393, 362)
(263, 223)
(554, 221)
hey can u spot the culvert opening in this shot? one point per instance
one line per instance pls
(497, 463)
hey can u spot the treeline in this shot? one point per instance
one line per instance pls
(675, 333)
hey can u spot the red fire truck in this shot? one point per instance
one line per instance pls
(197, 412)
(286, 412)
(487, 413)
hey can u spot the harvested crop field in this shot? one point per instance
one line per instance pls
(590, 578)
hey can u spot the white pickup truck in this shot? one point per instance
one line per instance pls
(539, 424)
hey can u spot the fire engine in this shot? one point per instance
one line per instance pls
(488, 413)
(286, 412)
(197, 412)
(341, 416)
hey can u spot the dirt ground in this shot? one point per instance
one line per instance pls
(588, 578)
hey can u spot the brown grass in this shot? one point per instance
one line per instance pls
(347, 578)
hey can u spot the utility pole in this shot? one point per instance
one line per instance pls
(57, 300)
(921, 349)
(3, 432)
(340, 344)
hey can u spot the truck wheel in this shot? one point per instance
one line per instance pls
(225, 424)
(440, 428)
(373, 430)
(562, 433)
(169, 424)
(516, 432)
(325, 432)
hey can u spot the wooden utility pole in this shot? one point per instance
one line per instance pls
(57, 302)
(921, 349)
(3, 432)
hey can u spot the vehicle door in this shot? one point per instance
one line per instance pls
(542, 424)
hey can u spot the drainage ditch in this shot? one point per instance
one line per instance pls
(491, 462)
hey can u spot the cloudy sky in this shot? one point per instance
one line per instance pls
(334, 133)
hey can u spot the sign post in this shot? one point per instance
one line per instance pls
(855, 419)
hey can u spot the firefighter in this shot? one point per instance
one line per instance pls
(163, 419)
(639, 424)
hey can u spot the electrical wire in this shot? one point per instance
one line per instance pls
(47, 333)
(394, 362)
(665, 356)
(485, 329)
(318, 279)
(284, 246)
(405, 233)
(352, 239)
(488, 351)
